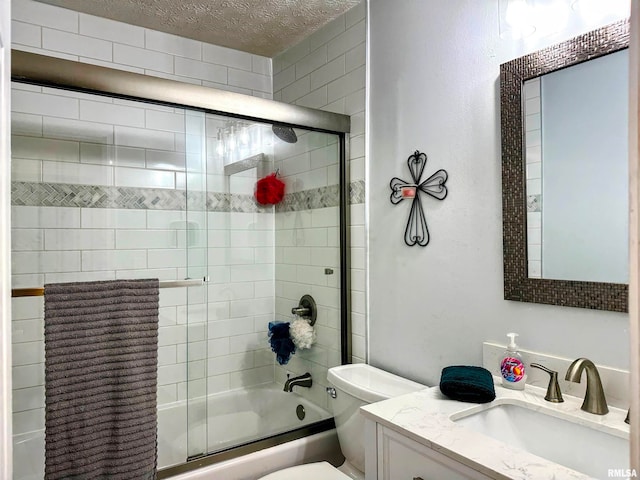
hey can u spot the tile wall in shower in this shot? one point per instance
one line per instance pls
(93, 149)
(58, 238)
(241, 244)
(325, 71)
(307, 243)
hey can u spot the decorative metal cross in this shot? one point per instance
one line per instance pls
(417, 231)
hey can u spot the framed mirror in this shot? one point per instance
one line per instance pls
(564, 172)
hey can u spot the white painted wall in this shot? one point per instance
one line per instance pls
(634, 157)
(433, 78)
(5, 242)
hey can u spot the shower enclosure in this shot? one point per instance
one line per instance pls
(120, 175)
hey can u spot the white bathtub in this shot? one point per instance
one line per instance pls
(229, 419)
(314, 448)
(218, 422)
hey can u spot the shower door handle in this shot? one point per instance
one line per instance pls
(187, 282)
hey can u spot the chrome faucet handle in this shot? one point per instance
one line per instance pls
(554, 394)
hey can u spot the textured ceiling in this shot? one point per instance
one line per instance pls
(263, 27)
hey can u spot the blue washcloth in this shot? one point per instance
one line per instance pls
(467, 384)
(281, 343)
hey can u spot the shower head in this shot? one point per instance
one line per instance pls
(286, 134)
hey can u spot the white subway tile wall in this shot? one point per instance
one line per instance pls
(324, 71)
(72, 138)
(533, 157)
(119, 143)
(58, 32)
(101, 244)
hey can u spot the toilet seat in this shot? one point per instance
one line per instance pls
(309, 471)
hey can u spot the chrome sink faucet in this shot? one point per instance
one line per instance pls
(594, 400)
(301, 381)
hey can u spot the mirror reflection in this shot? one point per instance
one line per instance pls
(576, 153)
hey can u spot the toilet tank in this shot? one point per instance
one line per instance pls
(357, 385)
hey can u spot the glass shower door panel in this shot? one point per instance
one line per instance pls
(97, 194)
(262, 259)
(307, 245)
(196, 315)
(241, 268)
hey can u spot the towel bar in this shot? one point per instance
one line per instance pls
(188, 282)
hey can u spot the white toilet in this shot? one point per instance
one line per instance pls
(355, 385)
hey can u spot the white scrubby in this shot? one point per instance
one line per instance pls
(302, 334)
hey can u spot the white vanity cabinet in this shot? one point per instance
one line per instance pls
(393, 456)
(425, 435)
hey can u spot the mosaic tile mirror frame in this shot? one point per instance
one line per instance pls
(518, 285)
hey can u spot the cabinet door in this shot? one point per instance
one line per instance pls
(400, 458)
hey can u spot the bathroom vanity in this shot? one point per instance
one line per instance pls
(424, 435)
(397, 456)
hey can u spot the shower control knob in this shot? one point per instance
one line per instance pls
(306, 309)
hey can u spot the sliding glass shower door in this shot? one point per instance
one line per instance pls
(106, 188)
(260, 260)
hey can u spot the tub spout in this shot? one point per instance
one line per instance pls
(301, 381)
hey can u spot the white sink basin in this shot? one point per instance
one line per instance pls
(580, 447)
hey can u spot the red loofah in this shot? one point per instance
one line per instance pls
(269, 190)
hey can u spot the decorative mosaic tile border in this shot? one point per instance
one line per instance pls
(534, 203)
(92, 196)
(321, 198)
(310, 199)
(357, 192)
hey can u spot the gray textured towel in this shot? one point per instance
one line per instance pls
(101, 360)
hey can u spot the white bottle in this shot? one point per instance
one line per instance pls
(512, 367)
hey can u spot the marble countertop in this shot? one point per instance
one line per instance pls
(426, 417)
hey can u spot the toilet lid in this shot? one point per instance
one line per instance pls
(310, 471)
